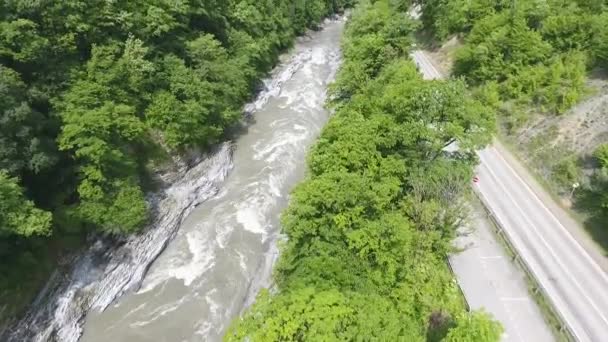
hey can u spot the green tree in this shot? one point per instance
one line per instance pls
(474, 327)
(104, 133)
(310, 315)
(20, 41)
(26, 140)
(447, 17)
(568, 30)
(599, 44)
(368, 231)
(554, 87)
(499, 46)
(95, 94)
(18, 216)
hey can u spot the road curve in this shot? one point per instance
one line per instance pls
(572, 280)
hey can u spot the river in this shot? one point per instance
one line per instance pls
(214, 238)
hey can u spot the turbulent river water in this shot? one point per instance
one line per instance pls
(213, 241)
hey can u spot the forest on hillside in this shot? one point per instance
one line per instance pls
(526, 57)
(96, 95)
(368, 231)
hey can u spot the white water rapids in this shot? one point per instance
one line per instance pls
(213, 241)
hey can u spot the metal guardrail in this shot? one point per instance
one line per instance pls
(563, 327)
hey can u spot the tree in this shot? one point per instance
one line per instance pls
(26, 145)
(567, 31)
(599, 45)
(376, 37)
(447, 17)
(436, 115)
(95, 94)
(599, 183)
(103, 133)
(368, 231)
(475, 326)
(498, 46)
(554, 87)
(20, 41)
(183, 113)
(310, 315)
(18, 216)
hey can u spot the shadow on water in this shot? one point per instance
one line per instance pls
(241, 128)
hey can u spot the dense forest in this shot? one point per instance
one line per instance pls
(97, 95)
(369, 229)
(526, 57)
(534, 52)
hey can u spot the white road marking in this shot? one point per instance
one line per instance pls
(559, 224)
(550, 250)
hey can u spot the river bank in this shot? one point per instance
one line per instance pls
(285, 118)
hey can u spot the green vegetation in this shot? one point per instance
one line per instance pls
(537, 52)
(593, 199)
(527, 57)
(18, 216)
(369, 229)
(95, 94)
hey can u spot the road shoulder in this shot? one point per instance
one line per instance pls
(573, 227)
(491, 281)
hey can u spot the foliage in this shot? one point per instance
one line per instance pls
(566, 172)
(26, 145)
(311, 315)
(381, 35)
(445, 17)
(554, 87)
(540, 50)
(104, 81)
(594, 196)
(18, 215)
(91, 94)
(101, 126)
(475, 326)
(526, 56)
(368, 231)
(601, 154)
(498, 46)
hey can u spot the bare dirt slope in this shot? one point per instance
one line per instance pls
(579, 130)
(547, 141)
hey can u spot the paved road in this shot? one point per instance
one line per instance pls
(490, 280)
(543, 236)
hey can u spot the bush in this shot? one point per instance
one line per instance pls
(554, 87)
(566, 173)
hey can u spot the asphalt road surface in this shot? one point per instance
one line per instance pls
(490, 281)
(544, 238)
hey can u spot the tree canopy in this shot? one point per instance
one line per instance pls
(529, 56)
(537, 51)
(17, 214)
(96, 95)
(369, 229)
